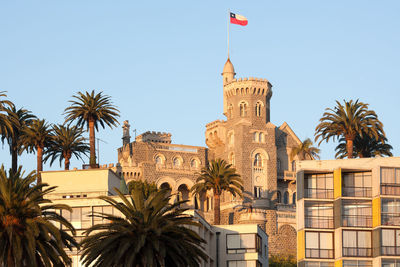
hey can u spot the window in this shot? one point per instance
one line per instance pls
(390, 263)
(242, 243)
(318, 264)
(177, 162)
(294, 198)
(318, 185)
(390, 241)
(357, 184)
(232, 158)
(357, 263)
(244, 264)
(261, 138)
(243, 109)
(255, 136)
(258, 109)
(286, 198)
(318, 215)
(194, 164)
(356, 213)
(257, 191)
(230, 111)
(231, 139)
(357, 243)
(390, 211)
(79, 217)
(159, 160)
(319, 245)
(390, 179)
(278, 197)
(258, 162)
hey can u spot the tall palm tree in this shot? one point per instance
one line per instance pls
(347, 121)
(35, 138)
(305, 149)
(219, 176)
(6, 127)
(365, 147)
(92, 109)
(19, 119)
(28, 235)
(67, 141)
(151, 232)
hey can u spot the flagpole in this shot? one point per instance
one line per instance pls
(229, 16)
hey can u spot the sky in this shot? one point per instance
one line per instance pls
(161, 62)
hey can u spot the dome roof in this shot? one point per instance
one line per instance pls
(228, 68)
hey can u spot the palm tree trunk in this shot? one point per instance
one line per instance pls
(39, 162)
(217, 209)
(92, 143)
(10, 258)
(14, 157)
(67, 158)
(349, 148)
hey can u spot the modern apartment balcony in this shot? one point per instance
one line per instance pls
(357, 252)
(356, 220)
(319, 222)
(319, 253)
(287, 176)
(390, 251)
(390, 218)
(390, 189)
(318, 193)
(357, 191)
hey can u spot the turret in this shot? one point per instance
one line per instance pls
(126, 138)
(228, 73)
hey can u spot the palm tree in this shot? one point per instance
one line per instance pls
(35, 138)
(347, 121)
(365, 147)
(28, 235)
(219, 176)
(19, 119)
(305, 149)
(151, 232)
(6, 127)
(92, 109)
(66, 142)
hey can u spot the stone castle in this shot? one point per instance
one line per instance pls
(247, 139)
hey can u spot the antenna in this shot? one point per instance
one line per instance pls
(98, 149)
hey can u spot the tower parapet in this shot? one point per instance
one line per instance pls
(151, 136)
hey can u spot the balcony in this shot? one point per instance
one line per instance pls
(320, 222)
(390, 218)
(357, 252)
(287, 176)
(319, 253)
(390, 189)
(357, 191)
(357, 221)
(318, 193)
(390, 251)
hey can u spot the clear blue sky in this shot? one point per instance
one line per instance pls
(161, 61)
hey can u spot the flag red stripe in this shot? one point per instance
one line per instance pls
(239, 22)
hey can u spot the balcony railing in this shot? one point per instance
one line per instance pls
(287, 175)
(390, 251)
(319, 253)
(318, 193)
(357, 191)
(390, 218)
(357, 221)
(357, 252)
(321, 222)
(390, 189)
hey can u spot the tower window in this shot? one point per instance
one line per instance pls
(278, 197)
(257, 192)
(258, 160)
(230, 111)
(243, 109)
(286, 198)
(258, 109)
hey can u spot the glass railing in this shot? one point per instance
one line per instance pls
(390, 218)
(319, 253)
(320, 222)
(390, 189)
(318, 193)
(357, 252)
(356, 220)
(390, 251)
(357, 191)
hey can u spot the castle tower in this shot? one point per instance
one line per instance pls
(126, 138)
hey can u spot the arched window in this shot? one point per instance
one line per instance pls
(231, 139)
(258, 162)
(278, 197)
(243, 109)
(255, 137)
(194, 164)
(159, 159)
(177, 162)
(294, 198)
(261, 138)
(232, 158)
(286, 198)
(230, 111)
(183, 192)
(258, 109)
(165, 186)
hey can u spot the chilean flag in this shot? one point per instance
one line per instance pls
(238, 19)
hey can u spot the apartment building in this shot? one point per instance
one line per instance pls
(243, 245)
(348, 212)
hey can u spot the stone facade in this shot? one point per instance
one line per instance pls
(248, 140)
